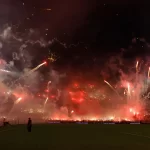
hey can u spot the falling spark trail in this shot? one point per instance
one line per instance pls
(49, 82)
(45, 101)
(18, 100)
(3, 70)
(149, 72)
(129, 92)
(48, 85)
(34, 69)
(108, 84)
(48, 9)
(30, 72)
(137, 64)
(111, 87)
(137, 71)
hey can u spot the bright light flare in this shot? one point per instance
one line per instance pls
(111, 117)
(18, 100)
(131, 110)
(46, 90)
(45, 63)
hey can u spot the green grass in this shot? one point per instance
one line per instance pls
(75, 137)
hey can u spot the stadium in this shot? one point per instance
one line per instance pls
(74, 75)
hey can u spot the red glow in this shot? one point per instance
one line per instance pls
(77, 100)
(52, 96)
(45, 62)
(91, 85)
(77, 97)
(70, 93)
(46, 91)
(76, 85)
(81, 100)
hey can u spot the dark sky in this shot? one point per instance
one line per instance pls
(100, 27)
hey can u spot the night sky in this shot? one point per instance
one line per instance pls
(92, 30)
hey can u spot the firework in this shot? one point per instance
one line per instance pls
(80, 101)
(137, 65)
(6, 71)
(47, 9)
(18, 100)
(30, 72)
(45, 101)
(149, 72)
(129, 90)
(36, 68)
(47, 97)
(111, 87)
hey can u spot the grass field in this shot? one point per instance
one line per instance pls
(74, 137)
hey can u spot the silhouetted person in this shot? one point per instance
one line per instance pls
(29, 125)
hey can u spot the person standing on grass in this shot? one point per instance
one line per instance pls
(29, 125)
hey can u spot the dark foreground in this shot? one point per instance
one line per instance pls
(74, 137)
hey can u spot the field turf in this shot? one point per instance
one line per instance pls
(75, 137)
